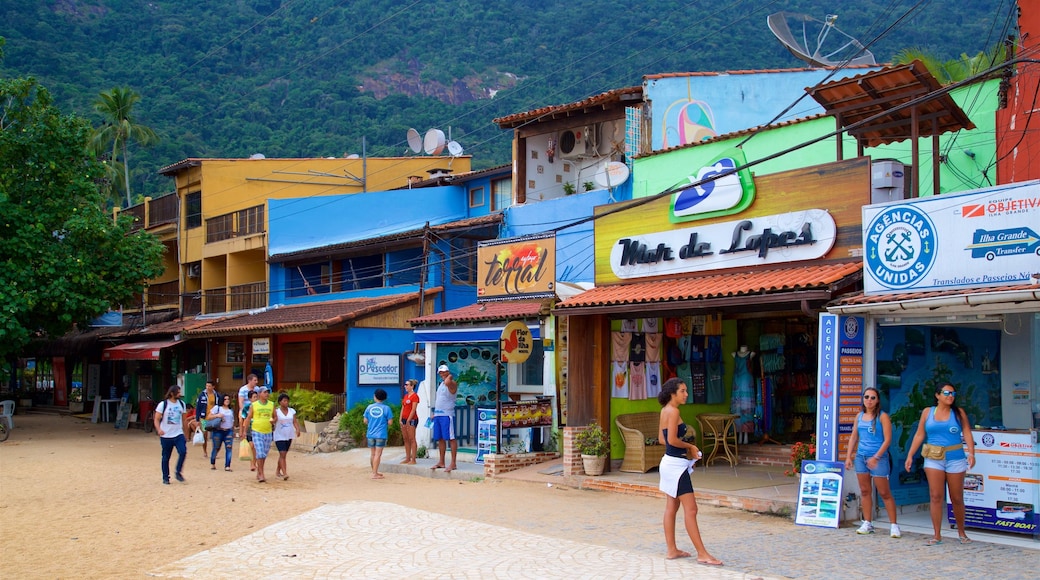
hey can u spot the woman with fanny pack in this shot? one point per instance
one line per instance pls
(944, 430)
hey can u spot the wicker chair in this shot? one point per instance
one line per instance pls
(635, 429)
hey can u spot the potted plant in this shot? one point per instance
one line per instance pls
(801, 451)
(312, 407)
(593, 445)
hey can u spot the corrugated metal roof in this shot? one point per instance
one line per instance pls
(860, 97)
(457, 225)
(486, 312)
(309, 317)
(862, 299)
(720, 285)
(600, 101)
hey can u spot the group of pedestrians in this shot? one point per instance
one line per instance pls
(261, 426)
(943, 435)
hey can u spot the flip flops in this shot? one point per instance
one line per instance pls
(712, 562)
(934, 542)
(965, 540)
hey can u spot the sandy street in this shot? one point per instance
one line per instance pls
(83, 500)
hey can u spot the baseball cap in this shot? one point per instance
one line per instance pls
(443, 369)
(263, 389)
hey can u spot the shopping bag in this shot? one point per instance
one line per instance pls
(198, 438)
(244, 452)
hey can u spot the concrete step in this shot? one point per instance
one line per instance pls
(765, 454)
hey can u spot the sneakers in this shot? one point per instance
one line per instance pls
(895, 533)
(866, 528)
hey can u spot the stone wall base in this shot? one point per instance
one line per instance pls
(496, 464)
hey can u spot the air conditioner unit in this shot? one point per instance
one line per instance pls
(577, 142)
(195, 270)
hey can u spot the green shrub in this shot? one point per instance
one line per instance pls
(310, 405)
(353, 422)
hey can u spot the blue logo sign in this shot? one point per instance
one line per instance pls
(716, 190)
(900, 246)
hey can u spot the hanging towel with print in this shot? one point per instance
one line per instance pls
(620, 372)
(653, 347)
(637, 348)
(651, 325)
(629, 325)
(637, 381)
(653, 379)
(619, 343)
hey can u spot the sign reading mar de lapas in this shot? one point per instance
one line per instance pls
(516, 268)
(977, 239)
(789, 237)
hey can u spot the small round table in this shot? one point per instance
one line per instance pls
(720, 430)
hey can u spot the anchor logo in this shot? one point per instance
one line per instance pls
(899, 246)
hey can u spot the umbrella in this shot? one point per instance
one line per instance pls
(269, 377)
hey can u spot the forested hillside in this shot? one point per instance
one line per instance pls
(303, 78)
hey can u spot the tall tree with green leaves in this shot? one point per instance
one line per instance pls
(955, 69)
(120, 127)
(63, 259)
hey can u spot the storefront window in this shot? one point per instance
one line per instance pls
(297, 360)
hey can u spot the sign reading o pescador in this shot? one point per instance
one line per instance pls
(516, 342)
(379, 369)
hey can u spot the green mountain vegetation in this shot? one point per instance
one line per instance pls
(304, 78)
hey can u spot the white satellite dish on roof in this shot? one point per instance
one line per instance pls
(434, 142)
(818, 43)
(611, 174)
(414, 141)
(454, 148)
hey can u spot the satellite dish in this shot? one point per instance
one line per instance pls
(818, 43)
(414, 141)
(433, 143)
(611, 174)
(258, 156)
(454, 148)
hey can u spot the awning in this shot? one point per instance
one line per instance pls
(480, 322)
(792, 286)
(137, 350)
(994, 300)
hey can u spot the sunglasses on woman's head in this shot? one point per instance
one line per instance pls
(946, 393)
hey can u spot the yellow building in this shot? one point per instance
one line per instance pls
(218, 257)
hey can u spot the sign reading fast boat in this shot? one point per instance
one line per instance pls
(788, 237)
(971, 240)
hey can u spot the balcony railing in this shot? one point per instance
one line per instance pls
(249, 296)
(164, 294)
(214, 301)
(240, 223)
(154, 212)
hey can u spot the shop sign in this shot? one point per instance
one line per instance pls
(516, 342)
(379, 369)
(773, 239)
(973, 240)
(262, 345)
(826, 388)
(516, 268)
(729, 191)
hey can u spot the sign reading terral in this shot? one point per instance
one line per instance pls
(983, 238)
(516, 268)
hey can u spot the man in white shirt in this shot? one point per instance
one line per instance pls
(444, 418)
(243, 392)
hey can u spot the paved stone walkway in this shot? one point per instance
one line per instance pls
(381, 540)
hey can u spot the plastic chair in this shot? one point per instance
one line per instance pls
(7, 413)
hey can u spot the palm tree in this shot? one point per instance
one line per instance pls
(953, 70)
(116, 106)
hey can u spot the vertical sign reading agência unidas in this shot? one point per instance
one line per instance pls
(516, 268)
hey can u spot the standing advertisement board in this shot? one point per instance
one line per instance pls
(840, 383)
(819, 494)
(487, 433)
(1002, 491)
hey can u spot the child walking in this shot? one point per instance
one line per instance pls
(378, 417)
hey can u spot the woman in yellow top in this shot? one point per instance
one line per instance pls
(261, 420)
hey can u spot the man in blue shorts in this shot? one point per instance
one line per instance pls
(444, 418)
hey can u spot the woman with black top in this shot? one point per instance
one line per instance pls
(676, 466)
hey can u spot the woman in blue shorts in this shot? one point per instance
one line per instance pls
(868, 452)
(945, 428)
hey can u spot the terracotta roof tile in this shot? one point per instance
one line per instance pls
(611, 97)
(313, 316)
(486, 311)
(721, 285)
(734, 134)
(750, 72)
